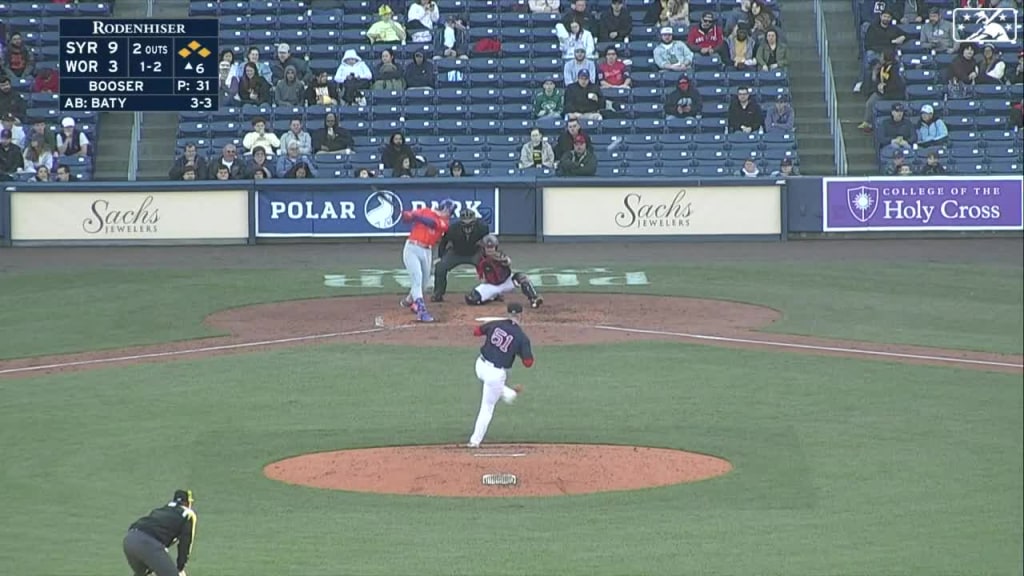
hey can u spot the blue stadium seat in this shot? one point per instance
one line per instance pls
(1002, 153)
(999, 166)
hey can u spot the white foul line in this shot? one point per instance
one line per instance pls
(812, 347)
(189, 351)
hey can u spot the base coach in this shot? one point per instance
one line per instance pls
(149, 537)
(460, 245)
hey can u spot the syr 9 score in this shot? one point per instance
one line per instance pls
(112, 47)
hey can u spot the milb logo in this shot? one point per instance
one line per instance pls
(985, 25)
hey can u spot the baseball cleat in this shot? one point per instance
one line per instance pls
(472, 445)
(536, 302)
(437, 298)
(424, 316)
(405, 302)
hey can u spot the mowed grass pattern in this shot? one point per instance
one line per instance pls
(841, 466)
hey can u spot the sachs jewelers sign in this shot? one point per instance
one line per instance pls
(129, 216)
(663, 211)
(925, 203)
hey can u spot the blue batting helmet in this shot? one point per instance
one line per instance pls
(447, 204)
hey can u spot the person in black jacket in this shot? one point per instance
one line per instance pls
(11, 156)
(616, 24)
(149, 537)
(897, 130)
(880, 37)
(332, 137)
(189, 158)
(579, 161)
(567, 136)
(745, 115)
(583, 99)
(396, 149)
(684, 101)
(459, 245)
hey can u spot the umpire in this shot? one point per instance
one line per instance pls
(459, 245)
(147, 541)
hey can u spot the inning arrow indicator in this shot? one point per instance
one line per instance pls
(188, 66)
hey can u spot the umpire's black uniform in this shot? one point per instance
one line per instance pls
(459, 245)
(147, 541)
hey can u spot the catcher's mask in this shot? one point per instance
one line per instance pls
(490, 242)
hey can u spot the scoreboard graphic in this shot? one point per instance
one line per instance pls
(138, 65)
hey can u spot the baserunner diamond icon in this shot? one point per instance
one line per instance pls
(985, 25)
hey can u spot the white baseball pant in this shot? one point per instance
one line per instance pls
(489, 292)
(417, 260)
(494, 389)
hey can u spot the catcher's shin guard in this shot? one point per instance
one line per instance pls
(526, 286)
(474, 298)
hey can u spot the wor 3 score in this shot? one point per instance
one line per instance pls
(138, 65)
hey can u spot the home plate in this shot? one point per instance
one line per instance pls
(490, 318)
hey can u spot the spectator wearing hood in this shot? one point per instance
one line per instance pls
(295, 133)
(394, 150)
(668, 13)
(536, 152)
(384, 30)
(47, 81)
(745, 115)
(388, 76)
(772, 54)
(672, 54)
(741, 49)
(780, 116)
(616, 24)
(293, 155)
(290, 90)
(332, 137)
(253, 88)
(18, 60)
(706, 37)
(897, 130)
(283, 59)
(322, 90)
(420, 72)
(352, 76)
(931, 131)
(684, 101)
(191, 158)
(580, 161)
(548, 101)
(11, 102)
(583, 99)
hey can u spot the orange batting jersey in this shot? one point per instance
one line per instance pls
(427, 226)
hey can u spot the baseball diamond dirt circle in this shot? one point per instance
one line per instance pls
(497, 470)
(565, 318)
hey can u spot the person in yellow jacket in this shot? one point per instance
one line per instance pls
(386, 29)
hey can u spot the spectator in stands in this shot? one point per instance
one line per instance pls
(762, 19)
(11, 102)
(780, 116)
(707, 37)
(38, 128)
(18, 62)
(896, 163)
(284, 59)
(772, 54)
(909, 11)
(384, 30)
(786, 169)
(548, 100)
(668, 13)
(536, 152)
(353, 76)
(1018, 75)
(253, 88)
(47, 81)
(332, 137)
(290, 91)
(296, 134)
(584, 99)
(38, 153)
(749, 169)
(300, 170)
(403, 167)
(190, 158)
(937, 33)
(577, 12)
(889, 85)
(18, 133)
(70, 140)
(229, 57)
(964, 67)
(227, 84)
(672, 54)
(455, 38)
(456, 169)
(931, 131)
(420, 72)
(897, 130)
(568, 136)
(571, 69)
(616, 23)
(396, 148)
(64, 174)
(222, 172)
(931, 166)
(12, 159)
(322, 90)
(577, 39)
(745, 115)
(684, 101)
(387, 76)
(421, 19)
(880, 37)
(259, 136)
(365, 173)
(992, 66)
(228, 160)
(739, 16)
(580, 161)
(906, 170)
(293, 156)
(741, 49)
(259, 162)
(544, 6)
(42, 174)
(262, 68)
(612, 72)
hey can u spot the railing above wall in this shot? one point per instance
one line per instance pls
(831, 100)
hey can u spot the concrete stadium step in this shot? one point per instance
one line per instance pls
(843, 46)
(156, 144)
(114, 142)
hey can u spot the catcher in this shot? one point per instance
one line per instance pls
(495, 269)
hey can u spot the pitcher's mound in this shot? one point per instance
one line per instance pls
(497, 470)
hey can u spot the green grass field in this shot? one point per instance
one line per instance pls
(842, 467)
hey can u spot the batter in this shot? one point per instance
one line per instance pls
(428, 226)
